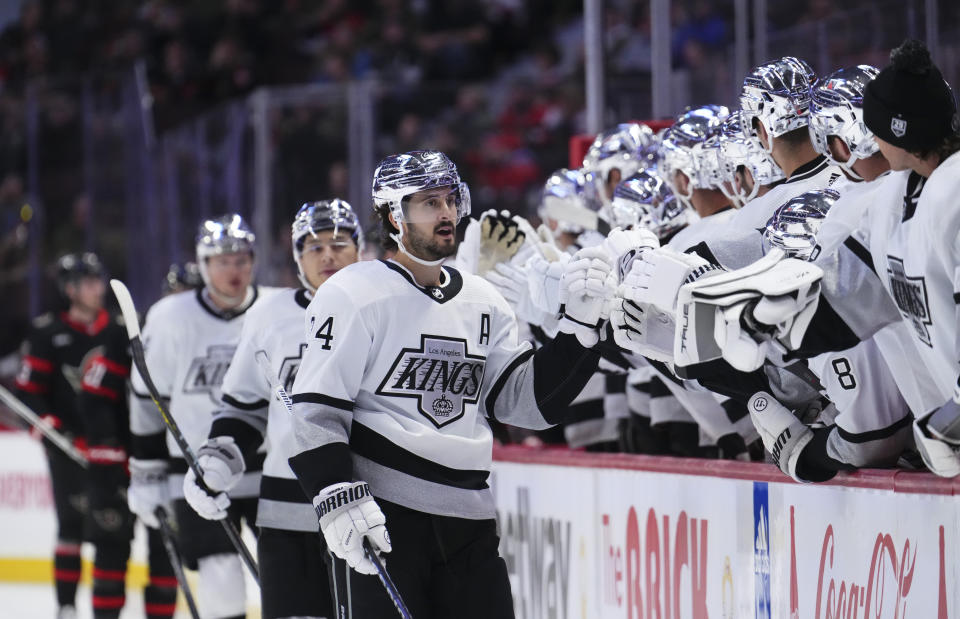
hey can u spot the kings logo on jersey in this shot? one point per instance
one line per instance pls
(442, 375)
(910, 294)
(206, 373)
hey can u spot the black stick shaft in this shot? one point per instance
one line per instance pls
(167, 535)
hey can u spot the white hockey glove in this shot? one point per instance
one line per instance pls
(747, 314)
(587, 285)
(655, 277)
(937, 440)
(148, 490)
(543, 279)
(783, 435)
(501, 237)
(511, 282)
(547, 244)
(624, 246)
(222, 464)
(348, 513)
(643, 329)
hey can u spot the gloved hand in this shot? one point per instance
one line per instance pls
(643, 329)
(501, 237)
(51, 420)
(348, 513)
(511, 282)
(148, 489)
(543, 280)
(587, 285)
(624, 246)
(222, 464)
(547, 244)
(656, 276)
(783, 435)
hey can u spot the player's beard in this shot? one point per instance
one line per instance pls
(429, 248)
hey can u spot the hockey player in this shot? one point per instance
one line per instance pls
(617, 154)
(903, 259)
(59, 352)
(837, 129)
(868, 424)
(326, 237)
(405, 361)
(567, 208)
(189, 339)
(744, 162)
(695, 173)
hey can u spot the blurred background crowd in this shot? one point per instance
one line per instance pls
(119, 126)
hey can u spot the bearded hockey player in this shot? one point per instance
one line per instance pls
(59, 351)
(326, 237)
(189, 340)
(405, 361)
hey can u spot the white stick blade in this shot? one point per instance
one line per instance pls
(127, 308)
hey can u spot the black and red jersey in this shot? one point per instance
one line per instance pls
(56, 357)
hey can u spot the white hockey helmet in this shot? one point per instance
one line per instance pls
(569, 199)
(645, 201)
(314, 217)
(682, 148)
(739, 147)
(227, 234)
(836, 108)
(399, 176)
(628, 147)
(794, 226)
(777, 93)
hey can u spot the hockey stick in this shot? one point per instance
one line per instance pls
(43, 426)
(173, 553)
(382, 573)
(129, 312)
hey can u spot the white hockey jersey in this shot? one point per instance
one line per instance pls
(269, 352)
(188, 346)
(909, 242)
(398, 380)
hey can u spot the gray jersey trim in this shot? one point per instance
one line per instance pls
(422, 495)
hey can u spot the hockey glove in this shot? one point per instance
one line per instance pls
(586, 287)
(348, 513)
(543, 279)
(624, 246)
(655, 277)
(148, 489)
(643, 330)
(745, 315)
(500, 238)
(783, 435)
(222, 464)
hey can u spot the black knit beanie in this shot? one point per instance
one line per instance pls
(909, 104)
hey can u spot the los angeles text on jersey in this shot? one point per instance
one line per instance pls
(442, 375)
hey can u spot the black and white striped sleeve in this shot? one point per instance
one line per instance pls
(532, 389)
